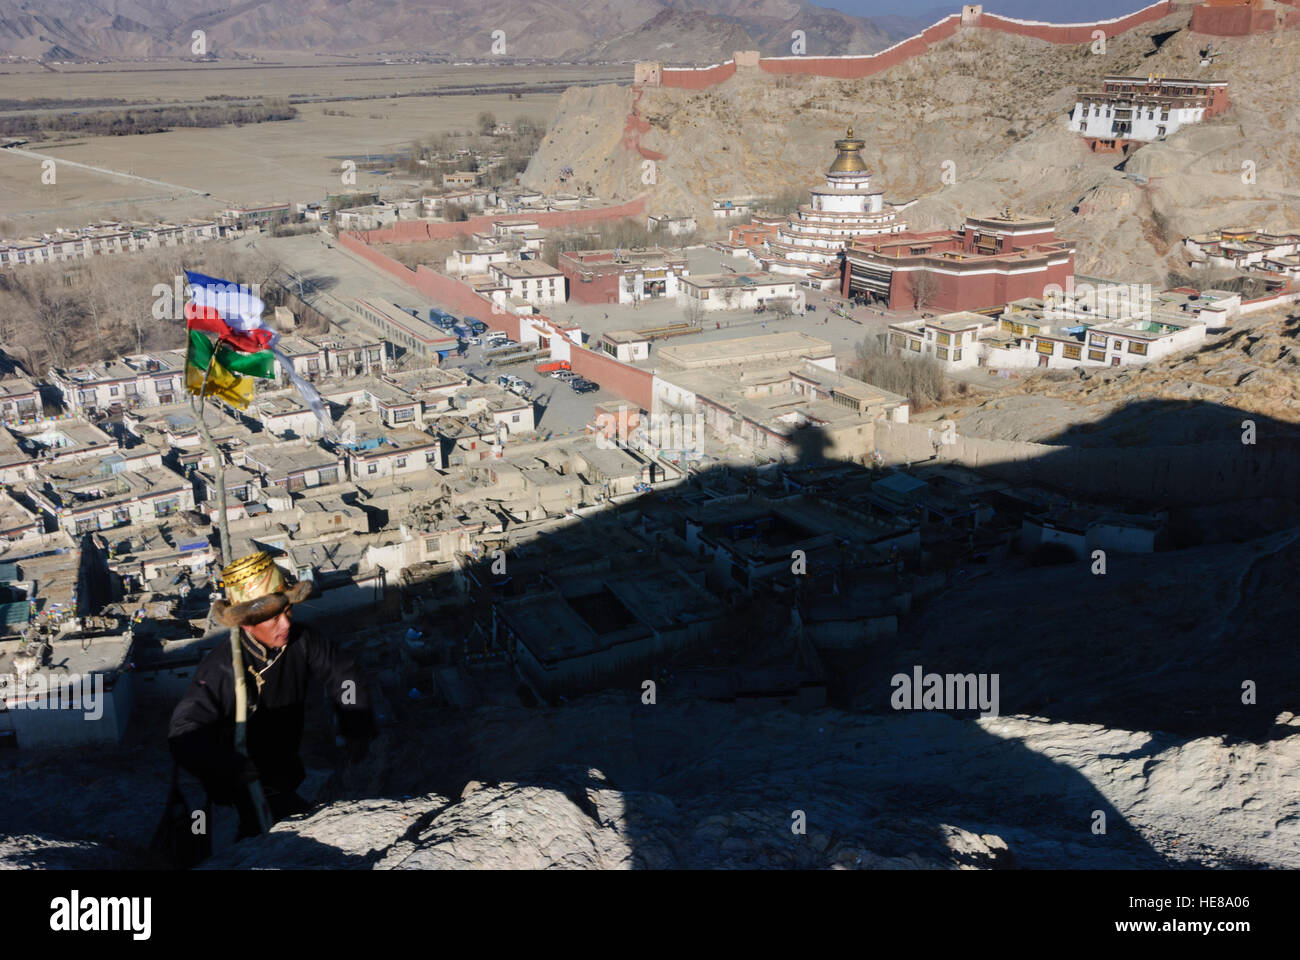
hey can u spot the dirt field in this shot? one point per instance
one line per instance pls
(317, 76)
(256, 163)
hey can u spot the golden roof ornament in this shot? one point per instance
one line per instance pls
(849, 159)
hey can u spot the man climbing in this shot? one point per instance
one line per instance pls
(280, 659)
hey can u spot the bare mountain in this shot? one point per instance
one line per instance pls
(607, 29)
(692, 36)
(673, 36)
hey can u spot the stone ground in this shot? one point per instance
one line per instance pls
(1118, 695)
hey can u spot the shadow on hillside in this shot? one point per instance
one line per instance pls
(1067, 645)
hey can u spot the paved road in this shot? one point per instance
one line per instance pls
(60, 161)
(556, 408)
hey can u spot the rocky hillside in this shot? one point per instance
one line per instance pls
(611, 783)
(988, 108)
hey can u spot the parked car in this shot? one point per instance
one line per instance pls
(475, 341)
(564, 375)
(581, 385)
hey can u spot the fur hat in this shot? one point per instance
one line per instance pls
(256, 590)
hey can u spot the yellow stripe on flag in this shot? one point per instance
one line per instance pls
(234, 389)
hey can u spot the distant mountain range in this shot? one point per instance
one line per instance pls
(685, 31)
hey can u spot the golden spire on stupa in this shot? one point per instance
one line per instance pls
(849, 159)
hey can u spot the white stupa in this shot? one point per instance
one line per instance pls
(812, 238)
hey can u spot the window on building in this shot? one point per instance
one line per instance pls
(112, 391)
(945, 339)
(329, 475)
(915, 345)
(432, 545)
(431, 456)
(1097, 355)
(942, 352)
(897, 340)
(1097, 341)
(1071, 352)
(1137, 347)
(514, 418)
(1047, 347)
(372, 468)
(402, 414)
(1114, 361)
(165, 508)
(957, 354)
(401, 462)
(87, 525)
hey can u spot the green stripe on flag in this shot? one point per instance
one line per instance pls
(260, 364)
(200, 352)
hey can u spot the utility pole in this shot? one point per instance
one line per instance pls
(198, 405)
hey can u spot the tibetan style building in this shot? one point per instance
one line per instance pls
(811, 241)
(989, 262)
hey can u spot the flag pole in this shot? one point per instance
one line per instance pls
(236, 648)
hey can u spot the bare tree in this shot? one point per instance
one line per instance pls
(55, 319)
(783, 307)
(925, 289)
(920, 379)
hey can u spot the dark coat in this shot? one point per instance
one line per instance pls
(202, 733)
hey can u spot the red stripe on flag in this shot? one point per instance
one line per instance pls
(209, 320)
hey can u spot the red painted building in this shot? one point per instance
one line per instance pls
(622, 276)
(989, 262)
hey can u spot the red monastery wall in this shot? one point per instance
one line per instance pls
(1075, 32)
(698, 78)
(853, 67)
(1240, 20)
(411, 231)
(631, 383)
(451, 293)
